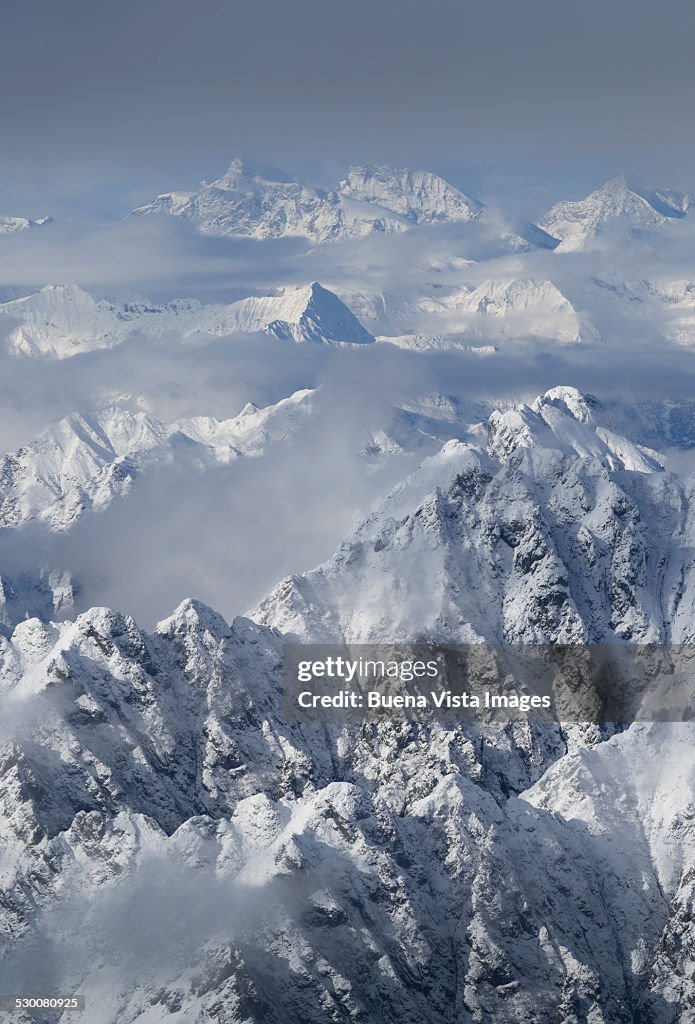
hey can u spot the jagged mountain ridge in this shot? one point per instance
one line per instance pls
(561, 531)
(340, 874)
(64, 320)
(85, 460)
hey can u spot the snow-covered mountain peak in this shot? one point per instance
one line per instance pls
(308, 313)
(454, 460)
(57, 293)
(619, 193)
(571, 400)
(616, 189)
(192, 616)
(245, 172)
(497, 297)
(577, 223)
(526, 307)
(420, 196)
(314, 313)
(562, 419)
(57, 320)
(300, 298)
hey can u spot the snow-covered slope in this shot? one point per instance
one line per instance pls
(618, 201)
(61, 320)
(629, 805)
(302, 314)
(453, 314)
(515, 234)
(521, 308)
(676, 315)
(668, 304)
(420, 196)
(84, 461)
(65, 320)
(561, 531)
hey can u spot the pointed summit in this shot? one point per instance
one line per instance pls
(640, 208)
(244, 172)
(316, 314)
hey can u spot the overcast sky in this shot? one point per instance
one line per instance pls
(169, 90)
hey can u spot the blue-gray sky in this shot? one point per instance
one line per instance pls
(117, 95)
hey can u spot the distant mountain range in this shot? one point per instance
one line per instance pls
(62, 321)
(65, 320)
(260, 202)
(257, 201)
